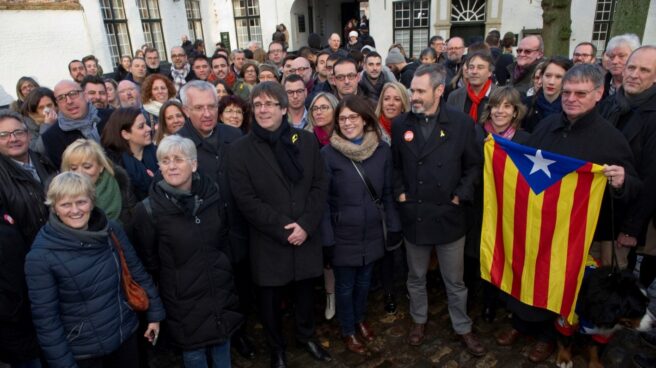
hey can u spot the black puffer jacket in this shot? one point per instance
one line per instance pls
(183, 245)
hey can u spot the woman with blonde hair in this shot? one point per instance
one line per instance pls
(393, 102)
(113, 192)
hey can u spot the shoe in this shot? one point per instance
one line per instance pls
(489, 314)
(243, 346)
(649, 339)
(317, 352)
(416, 334)
(353, 344)
(390, 304)
(474, 346)
(278, 359)
(508, 337)
(365, 331)
(541, 351)
(643, 361)
(330, 306)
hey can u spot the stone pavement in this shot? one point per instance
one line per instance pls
(442, 348)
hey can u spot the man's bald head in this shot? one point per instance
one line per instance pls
(70, 100)
(302, 66)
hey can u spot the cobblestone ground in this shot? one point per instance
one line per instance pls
(442, 348)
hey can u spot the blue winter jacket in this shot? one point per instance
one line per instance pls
(78, 305)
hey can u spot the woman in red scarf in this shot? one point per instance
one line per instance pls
(321, 117)
(393, 102)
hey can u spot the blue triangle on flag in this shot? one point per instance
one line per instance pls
(541, 169)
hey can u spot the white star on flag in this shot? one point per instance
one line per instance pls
(540, 163)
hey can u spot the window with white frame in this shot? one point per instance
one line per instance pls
(602, 23)
(194, 19)
(247, 21)
(151, 23)
(116, 27)
(411, 25)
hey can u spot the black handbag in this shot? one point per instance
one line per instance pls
(377, 202)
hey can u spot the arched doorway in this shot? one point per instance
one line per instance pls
(468, 19)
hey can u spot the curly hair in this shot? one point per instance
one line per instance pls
(147, 87)
(235, 100)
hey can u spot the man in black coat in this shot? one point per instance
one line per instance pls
(23, 174)
(632, 110)
(200, 104)
(436, 165)
(278, 180)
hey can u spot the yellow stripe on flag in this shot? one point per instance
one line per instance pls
(533, 230)
(490, 211)
(510, 178)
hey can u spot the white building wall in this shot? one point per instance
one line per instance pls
(41, 51)
(582, 23)
(380, 25)
(515, 18)
(649, 37)
(226, 23)
(174, 24)
(96, 34)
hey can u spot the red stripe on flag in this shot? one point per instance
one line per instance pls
(576, 246)
(499, 158)
(543, 260)
(519, 234)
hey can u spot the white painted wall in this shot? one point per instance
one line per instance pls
(174, 24)
(649, 37)
(582, 13)
(42, 51)
(380, 25)
(95, 27)
(514, 17)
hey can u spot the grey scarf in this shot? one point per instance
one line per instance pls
(86, 125)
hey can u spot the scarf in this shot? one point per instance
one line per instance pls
(188, 201)
(86, 125)
(97, 230)
(322, 136)
(635, 101)
(547, 108)
(230, 79)
(284, 149)
(108, 196)
(354, 151)
(507, 134)
(385, 123)
(518, 73)
(152, 107)
(141, 173)
(476, 99)
(180, 76)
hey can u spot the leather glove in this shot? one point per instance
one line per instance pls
(394, 239)
(328, 254)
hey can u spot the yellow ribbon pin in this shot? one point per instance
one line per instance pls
(294, 137)
(442, 134)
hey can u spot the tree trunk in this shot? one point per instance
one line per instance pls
(630, 17)
(556, 27)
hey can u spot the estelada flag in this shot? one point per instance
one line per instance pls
(539, 216)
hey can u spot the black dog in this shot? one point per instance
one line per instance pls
(607, 302)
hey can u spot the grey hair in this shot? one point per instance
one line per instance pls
(629, 39)
(10, 114)
(332, 100)
(198, 85)
(70, 184)
(270, 89)
(173, 143)
(585, 73)
(436, 73)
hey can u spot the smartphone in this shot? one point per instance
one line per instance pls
(155, 337)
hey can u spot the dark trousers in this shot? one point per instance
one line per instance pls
(540, 330)
(126, 356)
(390, 267)
(244, 289)
(351, 292)
(271, 313)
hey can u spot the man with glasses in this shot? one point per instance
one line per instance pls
(24, 175)
(77, 118)
(180, 68)
(529, 54)
(129, 94)
(201, 106)
(301, 66)
(579, 132)
(455, 49)
(585, 53)
(472, 98)
(277, 177)
(438, 44)
(437, 162)
(276, 54)
(296, 94)
(347, 78)
(153, 62)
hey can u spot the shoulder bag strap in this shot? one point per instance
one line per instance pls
(372, 193)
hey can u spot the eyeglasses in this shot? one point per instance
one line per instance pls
(300, 69)
(350, 76)
(525, 51)
(321, 108)
(18, 134)
(267, 105)
(576, 54)
(232, 111)
(578, 94)
(175, 160)
(201, 109)
(178, 55)
(352, 118)
(72, 95)
(296, 92)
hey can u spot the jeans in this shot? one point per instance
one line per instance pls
(351, 291)
(220, 355)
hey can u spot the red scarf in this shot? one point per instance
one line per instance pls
(385, 123)
(322, 136)
(476, 99)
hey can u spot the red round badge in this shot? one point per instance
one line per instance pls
(408, 136)
(8, 219)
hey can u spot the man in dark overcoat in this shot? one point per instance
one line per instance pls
(436, 165)
(278, 181)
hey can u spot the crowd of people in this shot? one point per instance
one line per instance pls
(237, 180)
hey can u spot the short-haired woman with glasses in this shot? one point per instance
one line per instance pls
(322, 117)
(356, 230)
